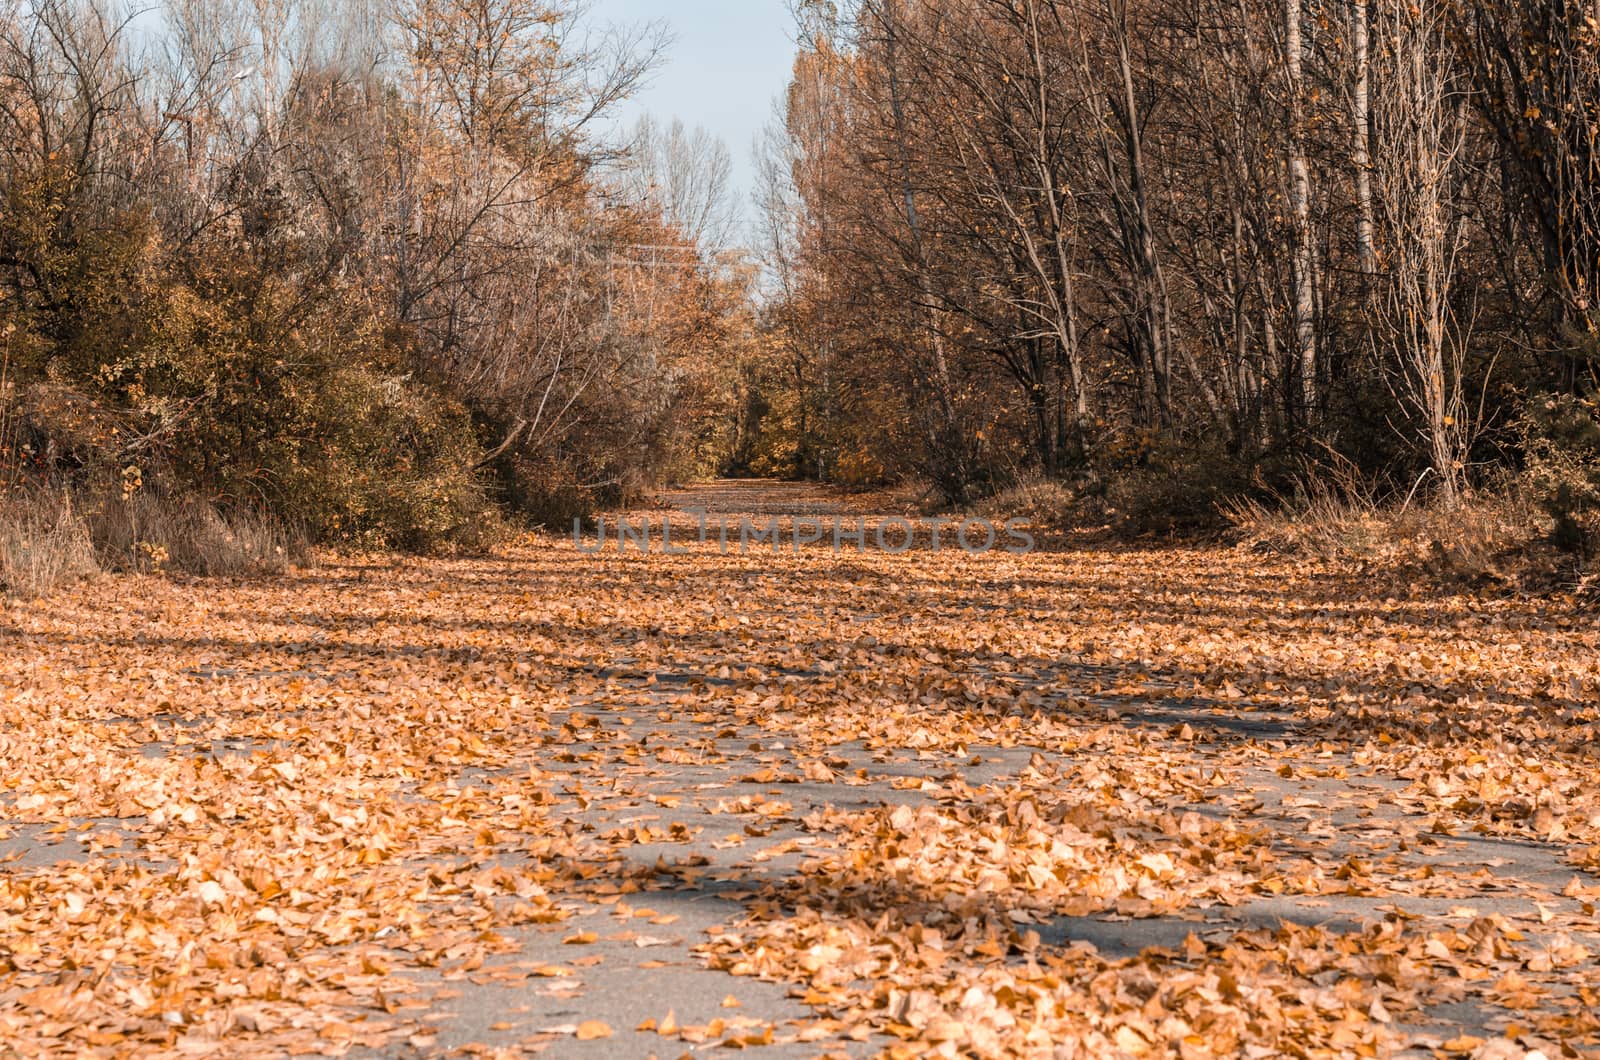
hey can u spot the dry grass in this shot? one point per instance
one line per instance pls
(911, 495)
(146, 532)
(1496, 540)
(44, 544)
(1040, 501)
(50, 539)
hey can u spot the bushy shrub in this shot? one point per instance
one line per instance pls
(230, 389)
(543, 497)
(859, 469)
(1561, 440)
(1175, 491)
(392, 466)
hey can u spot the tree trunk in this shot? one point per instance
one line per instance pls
(1361, 127)
(1153, 308)
(1305, 328)
(947, 436)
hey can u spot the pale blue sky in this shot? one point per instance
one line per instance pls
(730, 59)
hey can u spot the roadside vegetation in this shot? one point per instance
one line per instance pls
(1325, 272)
(300, 275)
(1322, 275)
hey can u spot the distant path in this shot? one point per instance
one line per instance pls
(540, 802)
(772, 497)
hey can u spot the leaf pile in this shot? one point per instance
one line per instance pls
(1184, 803)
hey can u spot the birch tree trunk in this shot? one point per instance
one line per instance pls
(1304, 262)
(1361, 127)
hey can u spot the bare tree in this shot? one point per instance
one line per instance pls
(1006, 94)
(489, 252)
(1129, 202)
(892, 33)
(688, 175)
(1421, 128)
(1535, 68)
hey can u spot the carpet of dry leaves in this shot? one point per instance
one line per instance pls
(275, 817)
